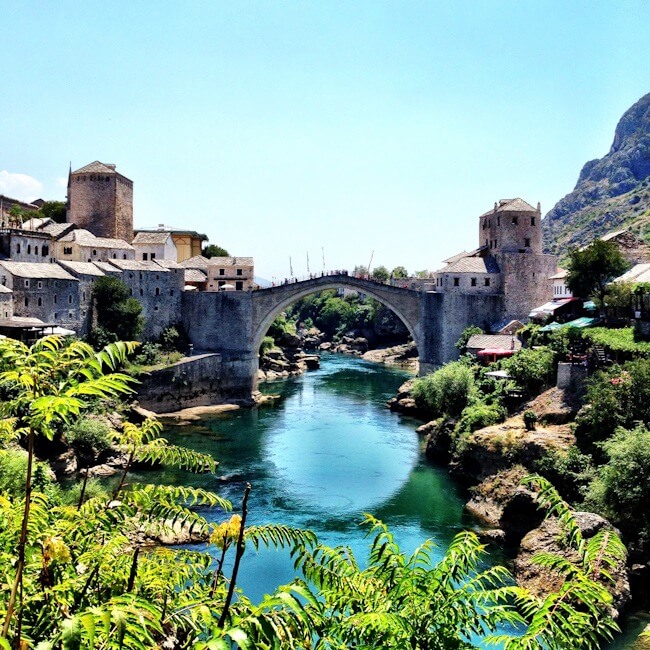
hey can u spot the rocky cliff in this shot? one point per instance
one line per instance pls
(612, 193)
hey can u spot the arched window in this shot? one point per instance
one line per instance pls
(157, 292)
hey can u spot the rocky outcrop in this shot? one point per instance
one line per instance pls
(547, 538)
(404, 355)
(612, 193)
(498, 447)
(404, 403)
(505, 506)
(349, 344)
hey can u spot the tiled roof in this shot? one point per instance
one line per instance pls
(87, 268)
(638, 273)
(37, 270)
(196, 262)
(35, 223)
(57, 230)
(613, 235)
(472, 265)
(511, 205)
(503, 341)
(137, 265)
(106, 267)
(151, 237)
(230, 261)
(194, 275)
(455, 258)
(86, 238)
(168, 264)
(174, 231)
(561, 273)
(96, 167)
(4, 289)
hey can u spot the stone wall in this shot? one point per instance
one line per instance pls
(526, 283)
(194, 381)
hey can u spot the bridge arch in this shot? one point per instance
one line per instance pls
(269, 303)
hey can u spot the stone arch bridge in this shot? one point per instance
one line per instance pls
(233, 323)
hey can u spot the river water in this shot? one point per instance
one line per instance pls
(326, 453)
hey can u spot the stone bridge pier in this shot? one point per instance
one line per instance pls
(233, 323)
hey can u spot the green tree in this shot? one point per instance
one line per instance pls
(622, 488)
(592, 268)
(446, 391)
(533, 370)
(212, 250)
(360, 271)
(118, 313)
(400, 273)
(466, 335)
(422, 274)
(55, 210)
(380, 274)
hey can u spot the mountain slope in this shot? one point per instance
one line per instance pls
(612, 192)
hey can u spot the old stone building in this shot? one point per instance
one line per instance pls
(80, 245)
(86, 273)
(101, 200)
(158, 289)
(508, 262)
(22, 245)
(44, 291)
(179, 244)
(6, 302)
(230, 273)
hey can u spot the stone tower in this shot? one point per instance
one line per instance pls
(511, 233)
(101, 201)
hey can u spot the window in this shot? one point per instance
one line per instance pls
(18, 249)
(515, 221)
(239, 285)
(39, 302)
(39, 284)
(527, 242)
(145, 257)
(141, 292)
(35, 250)
(222, 271)
(487, 282)
(171, 292)
(157, 291)
(456, 282)
(156, 308)
(70, 299)
(532, 221)
(67, 250)
(473, 282)
(239, 272)
(153, 256)
(45, 251)
(114, 256)
(56, 299)
(29, 249)
(221, 283)
(26, 284)
(131, 275)
(484, 225)
(498, 221)
(94, 252)
(124, 256)
(70, 314)
(26, 302)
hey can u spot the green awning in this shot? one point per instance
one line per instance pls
(584, 321)
(551, 327)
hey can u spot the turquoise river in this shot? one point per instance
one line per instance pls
(324, 454)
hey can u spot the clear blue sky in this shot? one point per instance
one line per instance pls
(280, 128)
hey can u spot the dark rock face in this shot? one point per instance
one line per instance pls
(612, 192)
(546, 538)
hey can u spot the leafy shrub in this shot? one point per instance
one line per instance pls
(13, 470)
(622, 489)
(267, 344)
(571, 472)
(530, 419)
(533, 370)
(616, 397)
(478, 415)
(150, 354)
(467, 334)
(89, 436)
(447, 390)
(94, 489)
(281, 325)
(622, 341)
